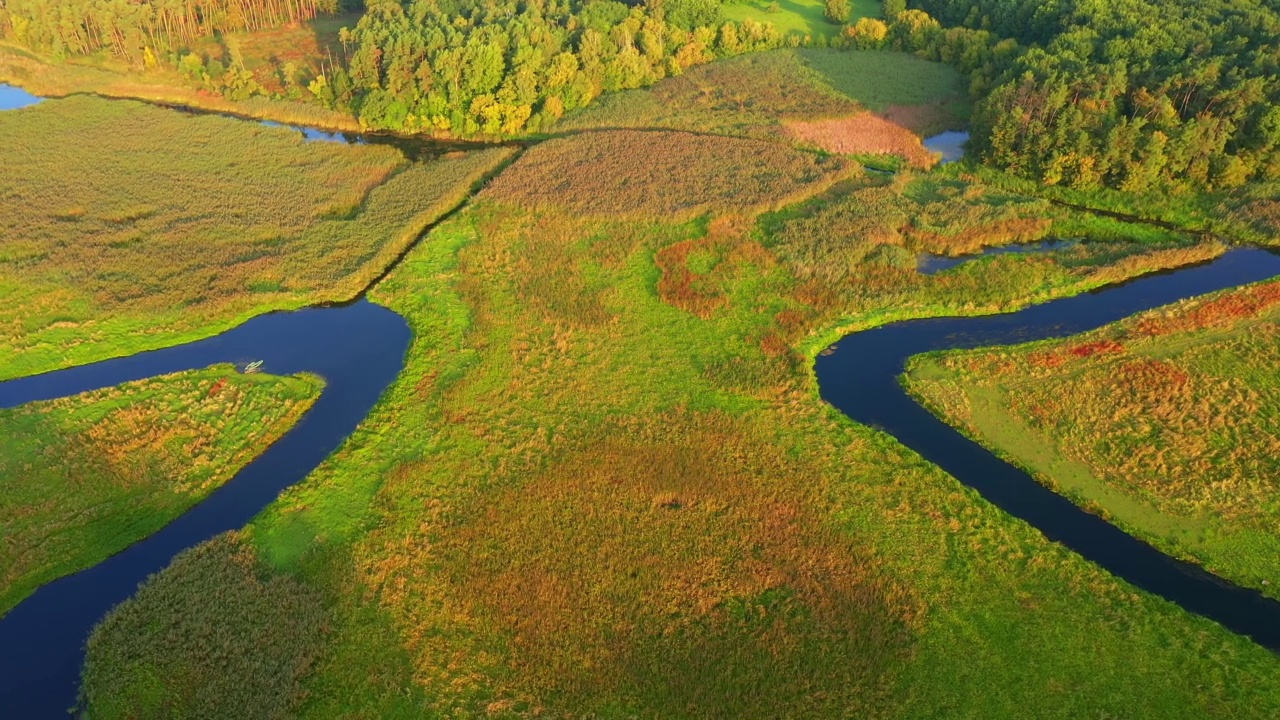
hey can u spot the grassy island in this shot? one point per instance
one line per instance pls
(85, 476)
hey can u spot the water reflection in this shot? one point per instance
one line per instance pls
(319, 135)
(928, 263)
(949, 144)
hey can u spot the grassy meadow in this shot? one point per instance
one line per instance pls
(605, 485)
(85, 476)
(126, 227)
(1164, 423)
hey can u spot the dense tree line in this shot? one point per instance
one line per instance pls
(507, 66)
(141, 30)
(1132, 94)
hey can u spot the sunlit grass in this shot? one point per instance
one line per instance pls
(753, 95)
(605, 484)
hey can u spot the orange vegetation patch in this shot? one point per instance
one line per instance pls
(1218, 312)
(919, 119)
(1059, 356)
(682, 287)
(700, 290)
(863, 132)
(1097, 347)
(683, 562)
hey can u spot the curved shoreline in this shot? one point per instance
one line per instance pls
(358, 348)
(861, 380)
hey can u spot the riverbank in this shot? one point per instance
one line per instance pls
(1178, 452)
(160, 85)
(219, 220)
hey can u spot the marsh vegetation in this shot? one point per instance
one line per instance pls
(605, 483)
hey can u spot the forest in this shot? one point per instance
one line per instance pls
(1107, 97)
(140, 30)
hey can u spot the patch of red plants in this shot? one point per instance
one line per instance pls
(1155, 375)
(1245, 303)
(217, 387)
(683, 288)
(1097, 347)
(1055, 358)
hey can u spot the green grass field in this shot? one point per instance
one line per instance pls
(605, 485)
(176, 226)
(83, 477)
(1163, 423)
(802, 17)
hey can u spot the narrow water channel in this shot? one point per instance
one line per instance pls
(861, 380)
(358, 349)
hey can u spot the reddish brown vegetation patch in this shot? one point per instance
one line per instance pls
(1218, 312)
(919, 119)
(1098, 347)
(682, 564)
(635, 173)
(863, 132)
(702, 293)
(683, 288)
(217, 387)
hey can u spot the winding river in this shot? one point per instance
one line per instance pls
(861, 379)
(359, 349)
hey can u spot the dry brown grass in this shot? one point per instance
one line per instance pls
(862, 133)
(662, 174)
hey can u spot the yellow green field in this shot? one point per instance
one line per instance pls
(605, 484)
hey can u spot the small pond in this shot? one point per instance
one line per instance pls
(319, 135)
(12, 98)
(949, 144)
